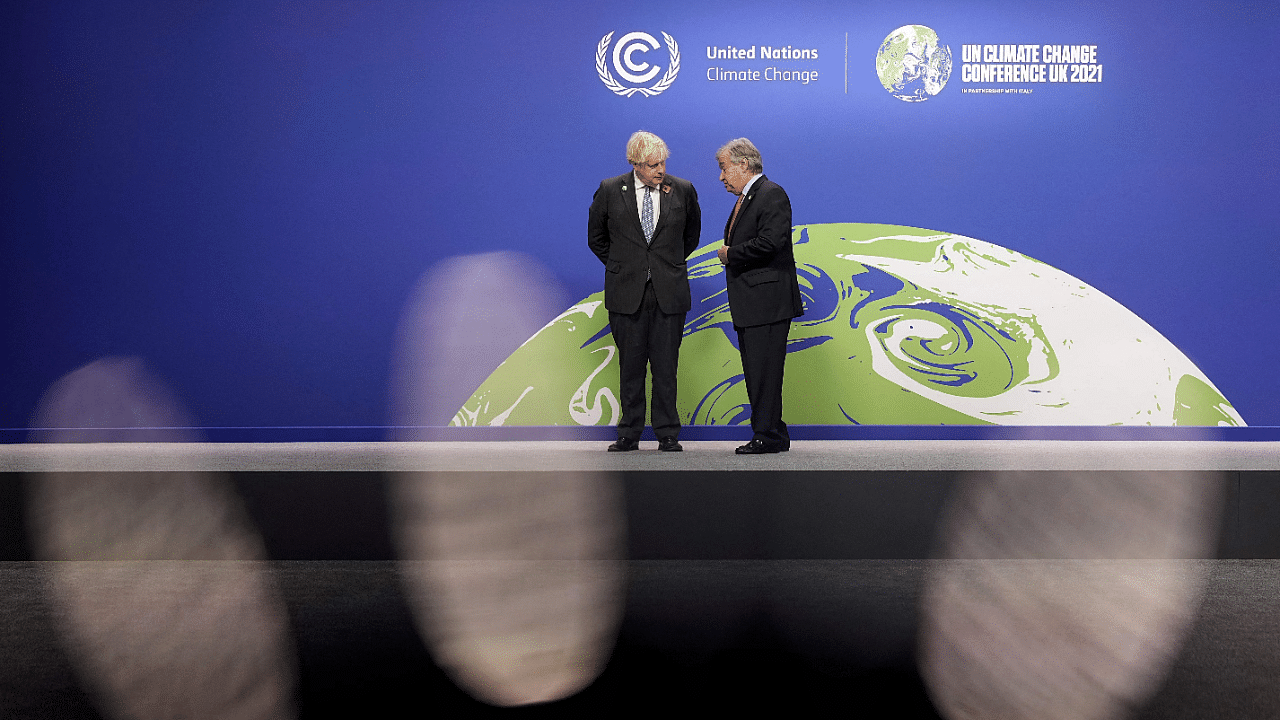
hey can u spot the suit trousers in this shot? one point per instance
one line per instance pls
(764, 352)
(648, 339)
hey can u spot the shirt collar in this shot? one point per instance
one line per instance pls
(751, 182)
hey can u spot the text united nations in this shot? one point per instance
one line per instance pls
(762, 52)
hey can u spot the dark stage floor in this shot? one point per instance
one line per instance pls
(714, 635)
(790, 582)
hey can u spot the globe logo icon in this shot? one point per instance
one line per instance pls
(911, 64)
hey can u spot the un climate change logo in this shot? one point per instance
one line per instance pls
(631, 71)
(912, 65)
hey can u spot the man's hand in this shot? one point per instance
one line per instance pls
(723, 254)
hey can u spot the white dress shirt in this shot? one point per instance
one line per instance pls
(640, 190)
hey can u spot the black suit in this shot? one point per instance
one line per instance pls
(764, 295)
(646, 291)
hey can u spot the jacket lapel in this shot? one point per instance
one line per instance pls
(751, 194)
(664, 206)
(628, 190)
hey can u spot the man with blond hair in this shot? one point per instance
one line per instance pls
(642, 225)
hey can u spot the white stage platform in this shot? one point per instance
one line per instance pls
(716, 456)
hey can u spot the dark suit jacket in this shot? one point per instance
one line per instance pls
(615, 236)
(761, 272)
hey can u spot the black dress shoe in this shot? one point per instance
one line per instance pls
(669, 444)
(624, 445)
(757, 447)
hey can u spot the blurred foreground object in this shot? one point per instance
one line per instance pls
(1065, 595)
(160, 586)
(466, 315)
(515, 579)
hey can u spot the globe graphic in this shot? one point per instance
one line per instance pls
(912, 65)
(902, 326)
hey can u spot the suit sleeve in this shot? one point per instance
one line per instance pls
(773, 231)
(598, 225)
(692, 223)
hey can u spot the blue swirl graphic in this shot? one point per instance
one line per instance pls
(971, 349)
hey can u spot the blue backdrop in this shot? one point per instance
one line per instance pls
(244, 193)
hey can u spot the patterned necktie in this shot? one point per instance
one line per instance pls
(733, 220)
(646, 215)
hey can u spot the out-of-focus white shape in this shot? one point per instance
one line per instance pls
(514, 578)
(160, 586)
(466, 315)
(1064, 595)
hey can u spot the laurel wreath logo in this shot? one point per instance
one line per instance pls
(602, 69)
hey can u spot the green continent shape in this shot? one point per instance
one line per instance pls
(889, 60)
(1197, 403)
(556, 377)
